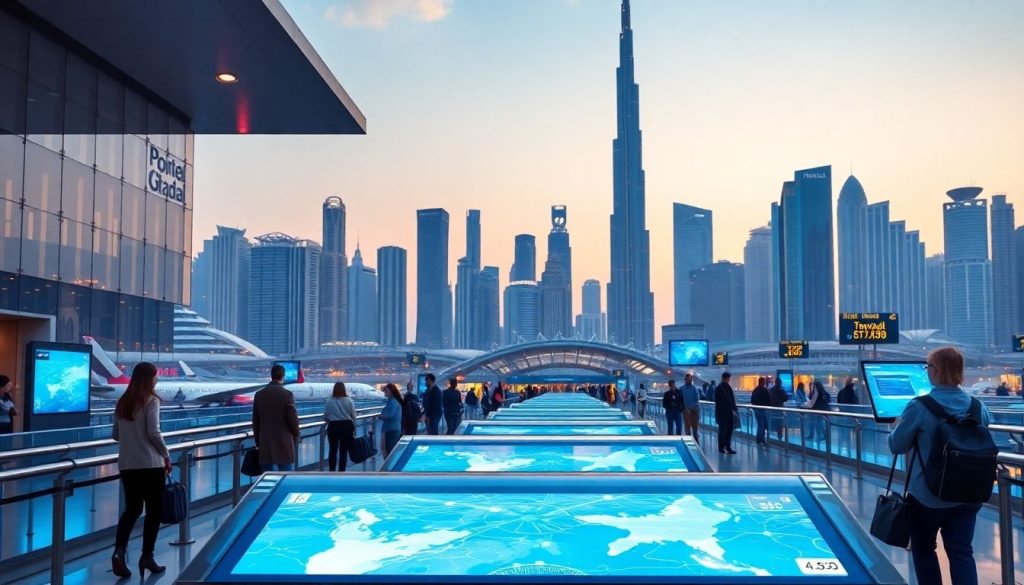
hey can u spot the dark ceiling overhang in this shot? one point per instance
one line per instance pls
(176, 49)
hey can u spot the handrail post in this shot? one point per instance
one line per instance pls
(185, 476)
(859, 440)
(785, 432)
(236, 473)
(828, 441)
(323, 443)
(803, 437)
(63, 486)
(1005, 527)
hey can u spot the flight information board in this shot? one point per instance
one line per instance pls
(794, 350)
(1018, 343)
(549, 428)
(531, 528)
(869, 328)
(720, 358)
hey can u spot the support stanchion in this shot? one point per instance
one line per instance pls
(803, 437)
(185, 477)
(859, 439)
(323, 442)
(62, 487)
(236, 473)
(1005, 527)
(828, 441)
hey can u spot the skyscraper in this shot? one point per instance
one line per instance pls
(465, 283)
(362, 300)
(630, 301)
(333, 273)
(807, 274)
(968, 271)
(914, 283)
(851, 223)
(284, 294)
(758, 289)
(200, 286)
(591, 323)
(433, 290)
(556, 282)
(521, 311)
(879, 261)
(692, 248)
(524, 267)
(1019, 238)
(1005, 291)
(391, 294)
(718, 298)
(935, 276)
(227, 256)
(488, 327)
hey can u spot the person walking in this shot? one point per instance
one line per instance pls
(485, 401)
(914, 436)
(142, 462)
(641, 402)
(412, 412)
(452, 403)
(340, 414)
(433, 407)
(391, 418)
(7, 409)
(801, 395)
(472, 404)
(672, 404)
(691, 408)
(848, 395)
(818, 400)
(778, 398)
(498, 398)
(725, 414)
(275, 423)
(761, 397)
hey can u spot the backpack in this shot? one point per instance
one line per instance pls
(411, 411)
(961, 467)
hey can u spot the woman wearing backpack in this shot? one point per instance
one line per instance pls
(915, 435)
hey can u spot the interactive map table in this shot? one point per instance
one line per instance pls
(540, 528)
(563, 414)
(547, 454)
(528, 427)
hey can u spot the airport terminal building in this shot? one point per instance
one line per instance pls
(100, 101)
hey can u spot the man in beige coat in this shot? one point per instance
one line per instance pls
(275, 424)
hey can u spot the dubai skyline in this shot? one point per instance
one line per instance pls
(527, 126)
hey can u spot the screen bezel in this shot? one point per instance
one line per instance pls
(285, 364)
(778, 378)
(34, 421)
(707, 353)
(871, 394)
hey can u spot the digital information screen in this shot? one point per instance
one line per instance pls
(621, 384)
(291, 370)
(1018, 343)
(536, 403)
(688, 352)
(415, 359)
(541, 428)
(892, 385)
(526, 528)
(720, 358)
(794, 350)
(558, 414)
(785, 379)
(60, 380)
(547, 455)
(869, 328)
(421, 384)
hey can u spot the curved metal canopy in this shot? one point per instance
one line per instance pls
(562, 354)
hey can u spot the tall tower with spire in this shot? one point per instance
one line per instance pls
(630, 301)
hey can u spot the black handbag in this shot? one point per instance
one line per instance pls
(362, 448)
(892, 520)
(174, 504)
(251, 463)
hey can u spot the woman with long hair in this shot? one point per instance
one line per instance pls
(391, 418)
(7, 410)
(340, 414)
(143, 462)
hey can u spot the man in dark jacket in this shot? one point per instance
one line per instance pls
(433, 407)
(412, 412)
(672, 402)
(848, 395)
(761, 397)
(778, 398)
(452, 402)
(275, 424)
(725, 414)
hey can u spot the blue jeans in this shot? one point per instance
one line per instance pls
(762, 426)
(674, 422)
(279, 467)
(957, 526)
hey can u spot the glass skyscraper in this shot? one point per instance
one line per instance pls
(851, 226)
(591, 323)
(433, 289)
(465, 284)
(556, 281)
(1005, 292)
(334, 273)
(522, 312)
(758, 289)
(362, 300)
(284, 295)
(391, 296)
(692, 248)
(524, 266)
(488, 318)
(630, 300)
(221, 279)
(717, 298)
(968, 271)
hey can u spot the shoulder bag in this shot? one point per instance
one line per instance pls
(174, 506)
(892, 520)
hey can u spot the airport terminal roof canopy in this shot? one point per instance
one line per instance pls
(558, 354)
(176, 50)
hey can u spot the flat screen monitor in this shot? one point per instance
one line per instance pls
(892, 385)
(785, 380)
(541, 528)
(621, 384)
(421, 384)
(688, 352)
(556, 414)
(291, 370)
(60, 376)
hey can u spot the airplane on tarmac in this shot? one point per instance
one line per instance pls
(113, 382)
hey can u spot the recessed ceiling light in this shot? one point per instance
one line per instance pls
(227, 77)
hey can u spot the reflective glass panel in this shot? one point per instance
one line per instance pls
(42, 178)
(76, 253)
(40, 244)
(77, 191)
(10, 235)
(12, 166)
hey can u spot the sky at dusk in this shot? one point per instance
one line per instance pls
(508, 106)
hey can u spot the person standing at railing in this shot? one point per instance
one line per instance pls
(433, 406)
(918, 431)
(672, 404)
(691, 408)
(412, 412)
(391, 418)
(472, 404)
(452, 402)
(818, 400)
(848, 395)
(641, 402)
(761, 397)
(778, 397)
(275, 423)
(726, 414)
(340, 414)
(142, 462)
(7, 410)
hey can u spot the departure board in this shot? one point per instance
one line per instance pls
(869, 328)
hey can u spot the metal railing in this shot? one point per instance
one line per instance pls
(189, 454)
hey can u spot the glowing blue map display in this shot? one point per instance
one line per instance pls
(689, 352)
(534, 428)
(60, 381)
(559, 414)
(495, 528)
(558, 455)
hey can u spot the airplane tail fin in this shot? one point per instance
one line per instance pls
(105, 367)
(302, 377)
(186, 370)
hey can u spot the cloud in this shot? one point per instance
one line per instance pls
(379, 13)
